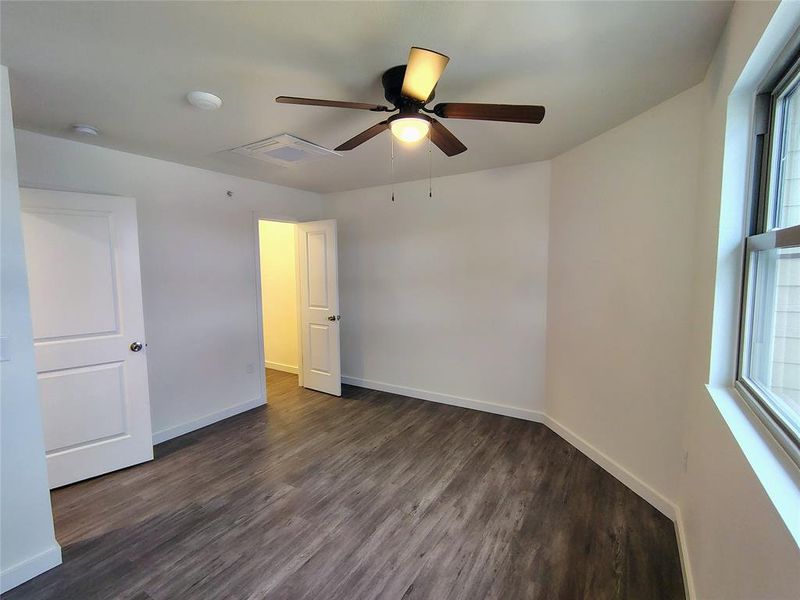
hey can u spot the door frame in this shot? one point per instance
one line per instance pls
(268, 216)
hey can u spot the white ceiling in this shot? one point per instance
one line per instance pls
(125, 67)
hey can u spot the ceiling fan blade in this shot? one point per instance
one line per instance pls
(512, 113)
(445, 140)
(332, 103)
(364, 136)
(423, 71)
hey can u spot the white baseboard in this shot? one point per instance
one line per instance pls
(498, 409)
(280, 367)
(630, 480)
(30, 568)
(183, 428)
(683, 550)
(619, 472)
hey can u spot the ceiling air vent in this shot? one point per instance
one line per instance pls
(285, 150)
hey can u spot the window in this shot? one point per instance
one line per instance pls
(769, 359)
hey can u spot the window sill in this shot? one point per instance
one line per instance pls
(777, 473)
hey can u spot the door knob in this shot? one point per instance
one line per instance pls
(331, 318)
(136, 346)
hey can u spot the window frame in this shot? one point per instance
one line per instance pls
(762, 234)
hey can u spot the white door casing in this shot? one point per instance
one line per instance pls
(82, 253)
(319, 306)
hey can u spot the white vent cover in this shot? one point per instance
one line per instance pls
(285, 150)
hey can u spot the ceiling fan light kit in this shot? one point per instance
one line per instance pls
(410, 88)
(409, 129)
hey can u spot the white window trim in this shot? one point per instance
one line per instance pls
(757, 397)
(776, 471)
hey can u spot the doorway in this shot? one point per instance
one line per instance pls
(278, 264)
(298, 303)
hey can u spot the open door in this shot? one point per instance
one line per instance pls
(82, 252)
(319, 306)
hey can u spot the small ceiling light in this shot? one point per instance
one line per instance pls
(204, 100)
(410, 129)
(81, 129)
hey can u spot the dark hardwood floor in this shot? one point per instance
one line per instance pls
(371, 495)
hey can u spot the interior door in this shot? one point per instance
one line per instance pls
(319, 306)
(82, 252)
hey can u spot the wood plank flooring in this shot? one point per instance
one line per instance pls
(371, 495)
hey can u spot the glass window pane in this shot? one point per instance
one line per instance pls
(773, 357)
(787, 160)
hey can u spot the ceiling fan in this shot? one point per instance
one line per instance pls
(410, 88)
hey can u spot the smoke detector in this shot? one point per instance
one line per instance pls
(204, 100)
(82, 129)
(284, 150)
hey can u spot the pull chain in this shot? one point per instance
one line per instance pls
(392, 138)
(430, 167)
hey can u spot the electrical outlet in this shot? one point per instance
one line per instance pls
(251, 368)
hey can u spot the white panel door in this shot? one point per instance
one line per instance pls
(82, 252)
(319, 306)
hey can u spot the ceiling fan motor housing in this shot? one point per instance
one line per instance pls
(392, 81)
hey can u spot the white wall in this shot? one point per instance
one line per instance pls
(448, 295)
(279, 294)
(621, 240)
(738, 545)
(634, 269)
(27, 541)
(198, 252)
